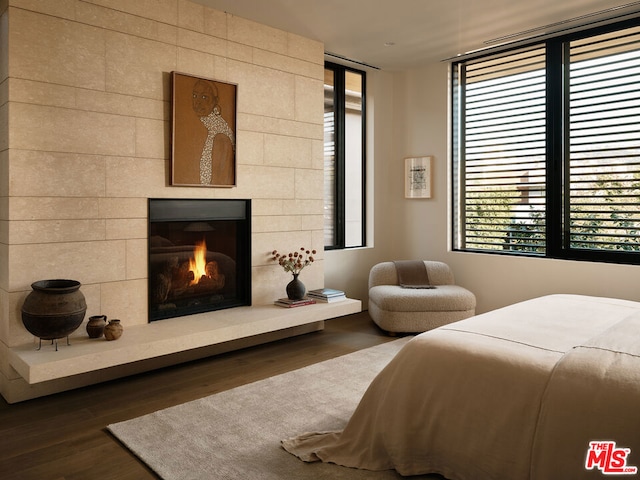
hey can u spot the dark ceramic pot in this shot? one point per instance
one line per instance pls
(54, 309)
(296, 289)
(95, 325)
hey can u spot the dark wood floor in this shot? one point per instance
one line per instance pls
(63, 436)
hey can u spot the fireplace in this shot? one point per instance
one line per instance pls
(199, 256)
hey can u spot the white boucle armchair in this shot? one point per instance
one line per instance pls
(409, 310)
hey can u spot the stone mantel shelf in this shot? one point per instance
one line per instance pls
(165, 337)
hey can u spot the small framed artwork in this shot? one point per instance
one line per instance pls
(203, 136)
(417, 177)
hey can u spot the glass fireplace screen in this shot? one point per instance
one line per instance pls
(199, 256)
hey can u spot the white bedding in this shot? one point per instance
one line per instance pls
(513, 394)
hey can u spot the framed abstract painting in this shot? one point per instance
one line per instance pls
(417, 177)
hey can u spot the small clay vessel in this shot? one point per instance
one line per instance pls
(95, 325)
(113, 330)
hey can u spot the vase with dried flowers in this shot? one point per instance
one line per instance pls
(294, 262)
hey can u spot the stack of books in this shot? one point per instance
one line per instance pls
(288, 303)
(327, 295)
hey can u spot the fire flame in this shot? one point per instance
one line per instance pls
(198, 263)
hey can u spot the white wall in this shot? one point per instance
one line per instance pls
(348, 269)
(411, 119)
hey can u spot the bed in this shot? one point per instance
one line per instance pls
(517, 393)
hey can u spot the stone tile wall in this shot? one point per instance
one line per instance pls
(85, 141)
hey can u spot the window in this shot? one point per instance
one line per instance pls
(344, 157)
(546, 148)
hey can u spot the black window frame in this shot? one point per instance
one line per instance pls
(557, 230)
(339, 186)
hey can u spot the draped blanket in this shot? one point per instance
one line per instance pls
(412, 274)
(514, 394)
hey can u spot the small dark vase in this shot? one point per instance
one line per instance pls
(54, 309)
(296, 289)
(113, 330)
(95, 325)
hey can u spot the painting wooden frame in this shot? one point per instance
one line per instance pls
(203, 136)
(417, 177)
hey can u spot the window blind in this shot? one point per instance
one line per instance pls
(604, 142)
(329, 191)
(546, 148)
(500, 132)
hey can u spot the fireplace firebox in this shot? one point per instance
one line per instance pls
(199, 256)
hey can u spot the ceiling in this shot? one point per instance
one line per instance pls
(403, 34)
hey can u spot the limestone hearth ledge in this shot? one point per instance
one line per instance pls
(165, 337)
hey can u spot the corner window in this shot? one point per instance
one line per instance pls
(344, 157)
(546, 148)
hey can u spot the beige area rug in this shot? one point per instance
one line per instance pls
(236, 434)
